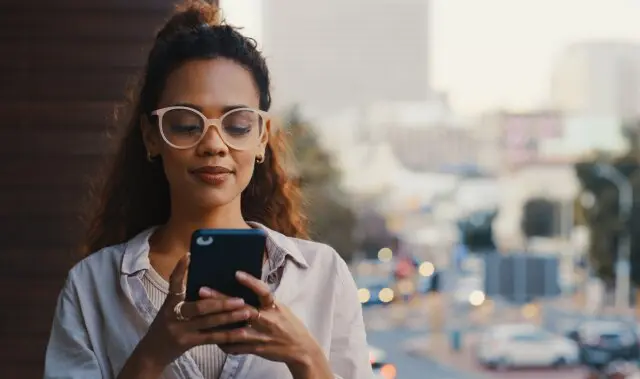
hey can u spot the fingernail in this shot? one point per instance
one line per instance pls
(241, 275)
(236, 301)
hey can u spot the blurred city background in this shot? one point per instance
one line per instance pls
(476, 163)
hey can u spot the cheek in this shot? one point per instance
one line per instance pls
(175, 164)
(244, 166)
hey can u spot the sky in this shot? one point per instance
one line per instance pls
(490, 54)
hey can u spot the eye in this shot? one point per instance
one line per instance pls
(186, 129)
(237, 130)
(241, 122)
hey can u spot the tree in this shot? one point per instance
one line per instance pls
(331, 220)
(371, 230)
(602, 217)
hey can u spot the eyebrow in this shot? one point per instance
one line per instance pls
(225, 109)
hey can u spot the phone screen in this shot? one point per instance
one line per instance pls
(216, 255)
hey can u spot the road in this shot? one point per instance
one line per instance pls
(410, 367)
(383, 332)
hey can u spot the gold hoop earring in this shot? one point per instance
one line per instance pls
(259, 159)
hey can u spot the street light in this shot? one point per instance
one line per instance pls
(625, 207)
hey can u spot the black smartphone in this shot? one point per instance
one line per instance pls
(216, 256)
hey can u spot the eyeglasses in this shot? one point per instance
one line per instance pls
(184, 127)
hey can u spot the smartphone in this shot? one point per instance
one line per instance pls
(216, 256)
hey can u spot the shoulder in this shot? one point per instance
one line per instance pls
(321, 255)
(324, 261)
(99, 265)
(108, 263)
(318, 257)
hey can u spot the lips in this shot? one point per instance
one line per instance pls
(212, 175)
(213, 170)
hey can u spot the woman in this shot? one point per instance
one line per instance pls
(199, 153)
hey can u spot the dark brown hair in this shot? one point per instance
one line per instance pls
(134, 193)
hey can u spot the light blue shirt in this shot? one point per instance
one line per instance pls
(103, 311)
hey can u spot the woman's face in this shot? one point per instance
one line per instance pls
(209, 174)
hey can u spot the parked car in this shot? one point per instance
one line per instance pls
(525, 345)
(381, 368)
(602, 342)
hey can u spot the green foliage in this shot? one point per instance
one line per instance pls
(603, 217)
(331, 220)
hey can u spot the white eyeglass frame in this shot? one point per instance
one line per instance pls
(208, 122)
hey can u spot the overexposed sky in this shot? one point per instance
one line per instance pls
(491, 54)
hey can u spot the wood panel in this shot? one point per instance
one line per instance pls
(36, 303)
(53, 231)
(90, 26)
(17, 349)
(72, 55)
(46, 143)
(66, 64)
(152, 6)
(33, 201)
(72, 115)
(61, 172)
(95, 84)
(22, 368)
(50, 265)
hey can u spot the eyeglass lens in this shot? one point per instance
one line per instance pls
(239, 129)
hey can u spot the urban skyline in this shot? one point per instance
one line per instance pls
(495, 69)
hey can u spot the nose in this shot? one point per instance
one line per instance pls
(212, 144)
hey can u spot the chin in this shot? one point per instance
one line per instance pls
(214, 198)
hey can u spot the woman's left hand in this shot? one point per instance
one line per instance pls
(276, 334)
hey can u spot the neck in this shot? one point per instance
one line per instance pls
(174, 237)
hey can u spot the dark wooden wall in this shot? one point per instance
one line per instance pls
(63, 67)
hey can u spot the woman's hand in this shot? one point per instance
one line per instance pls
(180, 325)
(276, 334)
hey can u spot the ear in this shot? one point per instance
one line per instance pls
(150, 136)
(262, 147)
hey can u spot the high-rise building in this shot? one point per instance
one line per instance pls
(598, 79)
(511, 140)
(336, 54)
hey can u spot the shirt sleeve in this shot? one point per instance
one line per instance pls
(69, 353)
(349, 354)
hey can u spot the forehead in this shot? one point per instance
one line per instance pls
(211, 84)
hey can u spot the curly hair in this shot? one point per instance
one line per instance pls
(132, 194)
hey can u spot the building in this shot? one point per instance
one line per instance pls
(584, 134)
(533, 181)
(510, 140)
(436, 148)
(599, 79)
(331, 55)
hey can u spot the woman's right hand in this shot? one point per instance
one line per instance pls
(168, 337)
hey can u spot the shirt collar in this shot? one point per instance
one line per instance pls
(136, 253)
(136, 250)
(282, 243)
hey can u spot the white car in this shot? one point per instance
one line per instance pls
(525, 345)
(381, 369)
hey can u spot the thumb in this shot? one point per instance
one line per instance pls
(178, 280)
